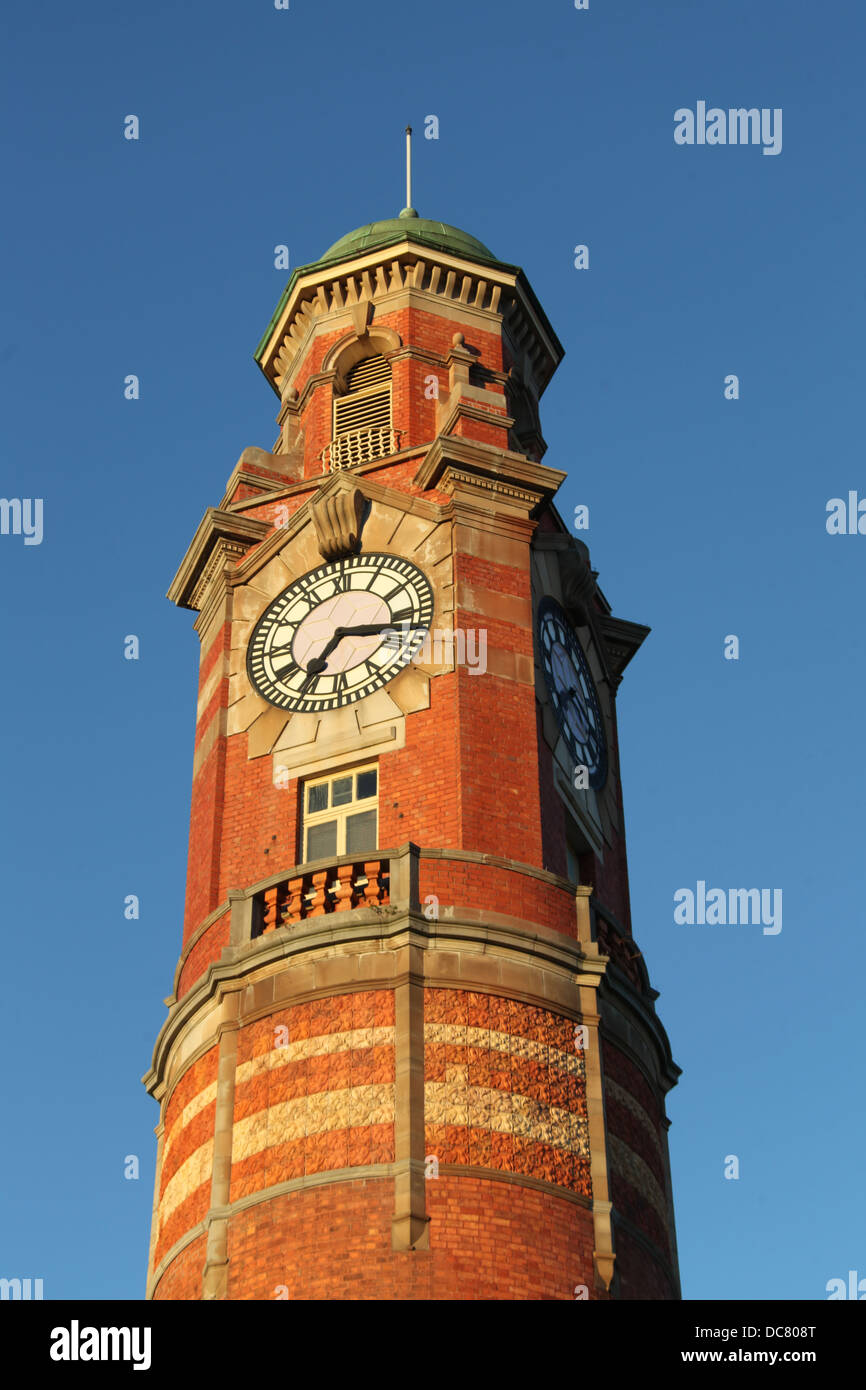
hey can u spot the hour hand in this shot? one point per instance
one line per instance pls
(319, 663)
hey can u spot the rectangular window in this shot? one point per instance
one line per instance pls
(579, 860)
(341, 815)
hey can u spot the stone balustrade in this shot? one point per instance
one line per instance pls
(360, 446)
(337, 888)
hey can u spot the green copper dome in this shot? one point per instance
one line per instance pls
(438, 235)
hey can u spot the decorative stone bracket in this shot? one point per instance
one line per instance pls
(337, 511)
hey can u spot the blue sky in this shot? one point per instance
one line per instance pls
(707, 518)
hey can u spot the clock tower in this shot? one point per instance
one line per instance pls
(412, 1050)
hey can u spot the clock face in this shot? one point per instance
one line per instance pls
(572, 692)
(324, 642)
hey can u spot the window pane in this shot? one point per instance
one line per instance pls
(361, 832)
(342, 791)
(322, 840)
(366, 784)
(317, 797)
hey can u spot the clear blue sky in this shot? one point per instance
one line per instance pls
(707, 518)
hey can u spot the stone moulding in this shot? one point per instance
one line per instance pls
(404, 889)
(484, 466)
(497, 291)
(220, 536)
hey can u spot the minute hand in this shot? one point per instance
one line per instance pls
(319, 663)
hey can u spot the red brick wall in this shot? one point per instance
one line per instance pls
(259, 822)
(208, 793)
(420, 784)
(183, 1278)
(636, 1125)
(505, 1087)
(182, 1138)
(208, 948)
(639, 1275)
(459, 884)
(488, 1240)
(324, 1099)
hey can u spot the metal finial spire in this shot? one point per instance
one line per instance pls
(408, 210)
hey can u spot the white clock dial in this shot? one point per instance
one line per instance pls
(327, 640)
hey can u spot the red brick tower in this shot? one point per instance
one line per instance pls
(412, 1049)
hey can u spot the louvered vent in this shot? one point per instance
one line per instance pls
(373, 371)
(367, 404)
(362, 413)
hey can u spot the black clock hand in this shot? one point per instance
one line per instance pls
(313, 668)
(311, 677)
(319, 663)
(362, 630)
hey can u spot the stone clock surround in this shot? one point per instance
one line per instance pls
(305, 743)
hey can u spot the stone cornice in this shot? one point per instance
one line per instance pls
(269, 488)
(404, 268)
(452, 460)
(219, 537)
(540, 946)
(621, 639)
(463, 410)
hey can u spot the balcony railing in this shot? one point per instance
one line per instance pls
(360, 446)
(361, 884)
